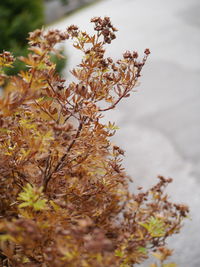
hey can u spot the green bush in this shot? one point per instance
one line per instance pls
(59, 61)
(17, 19)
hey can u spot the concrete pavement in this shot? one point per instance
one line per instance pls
(159, 124)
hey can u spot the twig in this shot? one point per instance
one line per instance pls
(44, 110)
(61, 161)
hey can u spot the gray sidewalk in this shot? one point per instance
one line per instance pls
(159, 124)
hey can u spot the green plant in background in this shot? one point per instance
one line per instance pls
(64, 2)
(59, 61)
(17, 19)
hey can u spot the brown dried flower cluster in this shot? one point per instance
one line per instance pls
(105, 28)
(64, 198)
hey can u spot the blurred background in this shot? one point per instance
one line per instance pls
(160, 123)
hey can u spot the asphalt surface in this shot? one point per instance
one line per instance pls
(160, 123)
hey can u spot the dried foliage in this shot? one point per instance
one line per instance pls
(64, 198)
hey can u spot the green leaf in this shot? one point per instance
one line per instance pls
(4, 130)
(23, 205)
(119, 253)
(142, 250)
(112, 126)
(39, 204)
(32, 197)
(6, 237)
(155, 226)
(25, 259)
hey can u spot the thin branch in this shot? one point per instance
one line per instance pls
(47, 168)
(61, 161)
(44, 110)
(20, 186)
(59, 116)
(59, 102)
(128, 89)
(21, 175)
(118, 100)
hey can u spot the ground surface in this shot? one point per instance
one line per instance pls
(160, 124)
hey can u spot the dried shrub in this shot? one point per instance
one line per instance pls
(64, 198)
